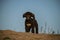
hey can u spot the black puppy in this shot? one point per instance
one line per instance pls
(30, 22)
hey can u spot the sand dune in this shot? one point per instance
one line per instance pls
(12, 35)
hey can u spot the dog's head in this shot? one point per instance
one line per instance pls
(29, 15)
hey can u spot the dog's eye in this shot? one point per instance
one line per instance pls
(32, 17)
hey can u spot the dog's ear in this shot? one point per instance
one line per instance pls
(32, 16)
(24, 15)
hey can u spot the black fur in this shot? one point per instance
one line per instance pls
(31, 22)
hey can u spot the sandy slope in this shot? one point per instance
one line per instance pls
(27, 36)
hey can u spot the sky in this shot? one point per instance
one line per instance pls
(47, 12)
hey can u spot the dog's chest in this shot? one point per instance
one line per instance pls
(28, 24)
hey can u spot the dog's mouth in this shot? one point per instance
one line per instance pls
(28, 25)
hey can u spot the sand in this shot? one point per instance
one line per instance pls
(12, 35)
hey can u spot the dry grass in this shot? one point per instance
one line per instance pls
(27, 36)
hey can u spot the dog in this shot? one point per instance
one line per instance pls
(30, 22)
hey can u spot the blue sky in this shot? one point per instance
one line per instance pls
(46, 11)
